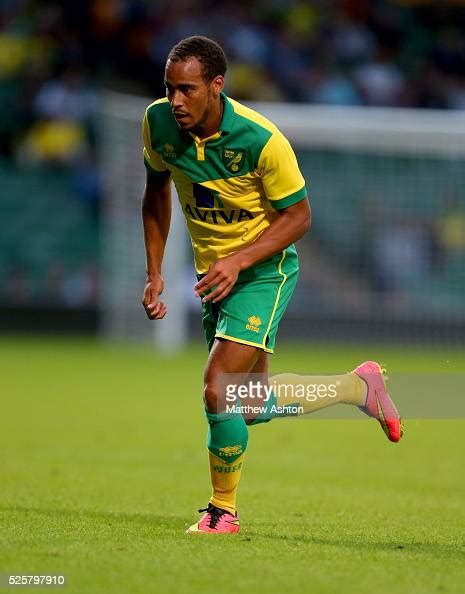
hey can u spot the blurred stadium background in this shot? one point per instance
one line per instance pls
(371, 93)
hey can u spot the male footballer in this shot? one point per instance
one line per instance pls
(245, 204)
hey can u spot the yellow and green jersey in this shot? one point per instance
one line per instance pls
(229, 185)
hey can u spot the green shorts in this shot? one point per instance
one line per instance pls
(251, 312)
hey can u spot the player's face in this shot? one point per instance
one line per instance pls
(191, 98)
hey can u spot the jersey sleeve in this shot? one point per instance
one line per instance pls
(282, 181)
(152, 160)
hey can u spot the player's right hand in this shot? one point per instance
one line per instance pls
(155, 310)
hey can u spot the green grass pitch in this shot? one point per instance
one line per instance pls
(103, 466)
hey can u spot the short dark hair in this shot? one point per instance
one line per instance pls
(208, 52)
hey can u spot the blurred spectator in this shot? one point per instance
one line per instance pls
(450, 227)
(353, 42)
(68, 97)
(263, 89)
(69, 287)
(80, 287)
(65, 108)
(334, 88)
(401, 255)
(380, 81)
(55, 142)
(87, 183)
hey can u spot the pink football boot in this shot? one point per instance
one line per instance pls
(378, 403)
(215, 521)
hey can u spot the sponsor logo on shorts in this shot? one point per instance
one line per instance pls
(254, 324)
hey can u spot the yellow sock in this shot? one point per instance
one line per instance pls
(225, 480)
(314, 392)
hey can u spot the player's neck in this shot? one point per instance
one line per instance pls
(213, 121)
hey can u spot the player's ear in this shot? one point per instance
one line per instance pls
(217, 85)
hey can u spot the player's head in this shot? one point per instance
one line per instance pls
(194, 78)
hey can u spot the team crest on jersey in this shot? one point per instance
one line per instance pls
(233, 159)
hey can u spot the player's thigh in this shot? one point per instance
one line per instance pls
(261, 365)
(228, 362)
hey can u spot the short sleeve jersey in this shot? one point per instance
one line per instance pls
(230, 185)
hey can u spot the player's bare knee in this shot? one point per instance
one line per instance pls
(213, 399)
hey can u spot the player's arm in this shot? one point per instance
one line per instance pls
(291, 224)
(156, 218)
